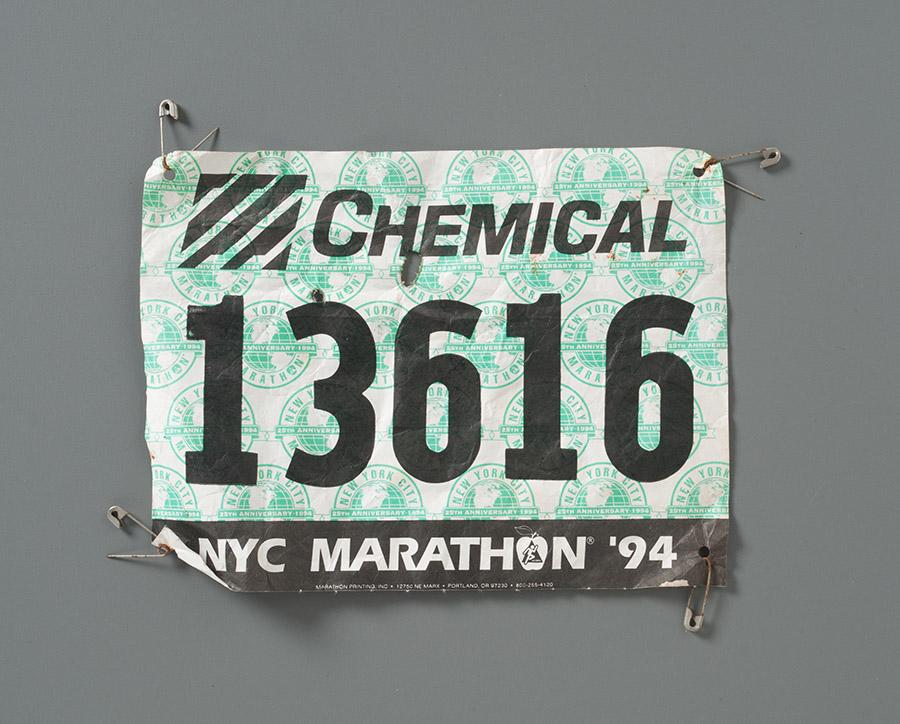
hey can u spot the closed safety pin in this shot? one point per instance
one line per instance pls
(769, 156)
(693, 622)
(117, 515)
(169, 109)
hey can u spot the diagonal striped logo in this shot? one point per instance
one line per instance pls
(276, 190)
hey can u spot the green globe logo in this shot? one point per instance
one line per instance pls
(172, 498)
(590, 342)
(440, 277)
(267, 342)
(654, 272)
(485, 492)
(493, 352)
(184, 426)
(167, 354)
(490, 494)
(497, 357)
(274, 497)
(547, 274)
(702, 492)
(709, 330)
(274, 163)
(305, 427)
(649, 417)
(529, 276)
(272, 356)
(576, 426)
(166, 500)
(437, 275)
(167, 201)
(390, 178)
(605, 176)
(340, 278)
(708, 494)
(700, 198)
(501, 178)
(599, 170)
(602, 493)
(704, 344)
(385, 182)
(209, 282)
(483, 176)
(317, 431)
(583, 340)
(383, 319)
(380, 492)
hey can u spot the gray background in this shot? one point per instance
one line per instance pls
(808, 629)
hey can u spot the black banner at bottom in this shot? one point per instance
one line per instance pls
(452, 554)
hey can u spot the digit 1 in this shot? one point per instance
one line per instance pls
(221, 461)
(541, 457)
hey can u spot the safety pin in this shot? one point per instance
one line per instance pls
(117, 515)
(769, 156)
(169, 109)
(693, 622)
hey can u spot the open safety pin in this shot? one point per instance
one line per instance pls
(169, 109)
(769, 156)
(117, 515)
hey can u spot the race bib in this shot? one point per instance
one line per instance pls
(438, 369)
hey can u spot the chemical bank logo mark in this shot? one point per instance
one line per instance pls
(184, 423)
(701, 199)
(606, 176)
(166, 202)
(340, 278)
(173, 498)
(497, 357)
(383, 319)
(440, 277)
(530, 275)
(301, 425)
(702, 492)
(207, 283)
(583, 340)
(272, 355)
(485, 492)
(704, 344)
(600, 492)
(501, 178)
(531, 548)
(168, 354)
(577, 427)
(274, 497)
(244, 217)
(381, 492)
(653, 272)
(391, 178)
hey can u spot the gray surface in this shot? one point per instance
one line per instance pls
(808, 630)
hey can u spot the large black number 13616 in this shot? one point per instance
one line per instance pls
(541, 456)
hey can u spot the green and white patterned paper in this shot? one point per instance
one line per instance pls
(278, 413)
